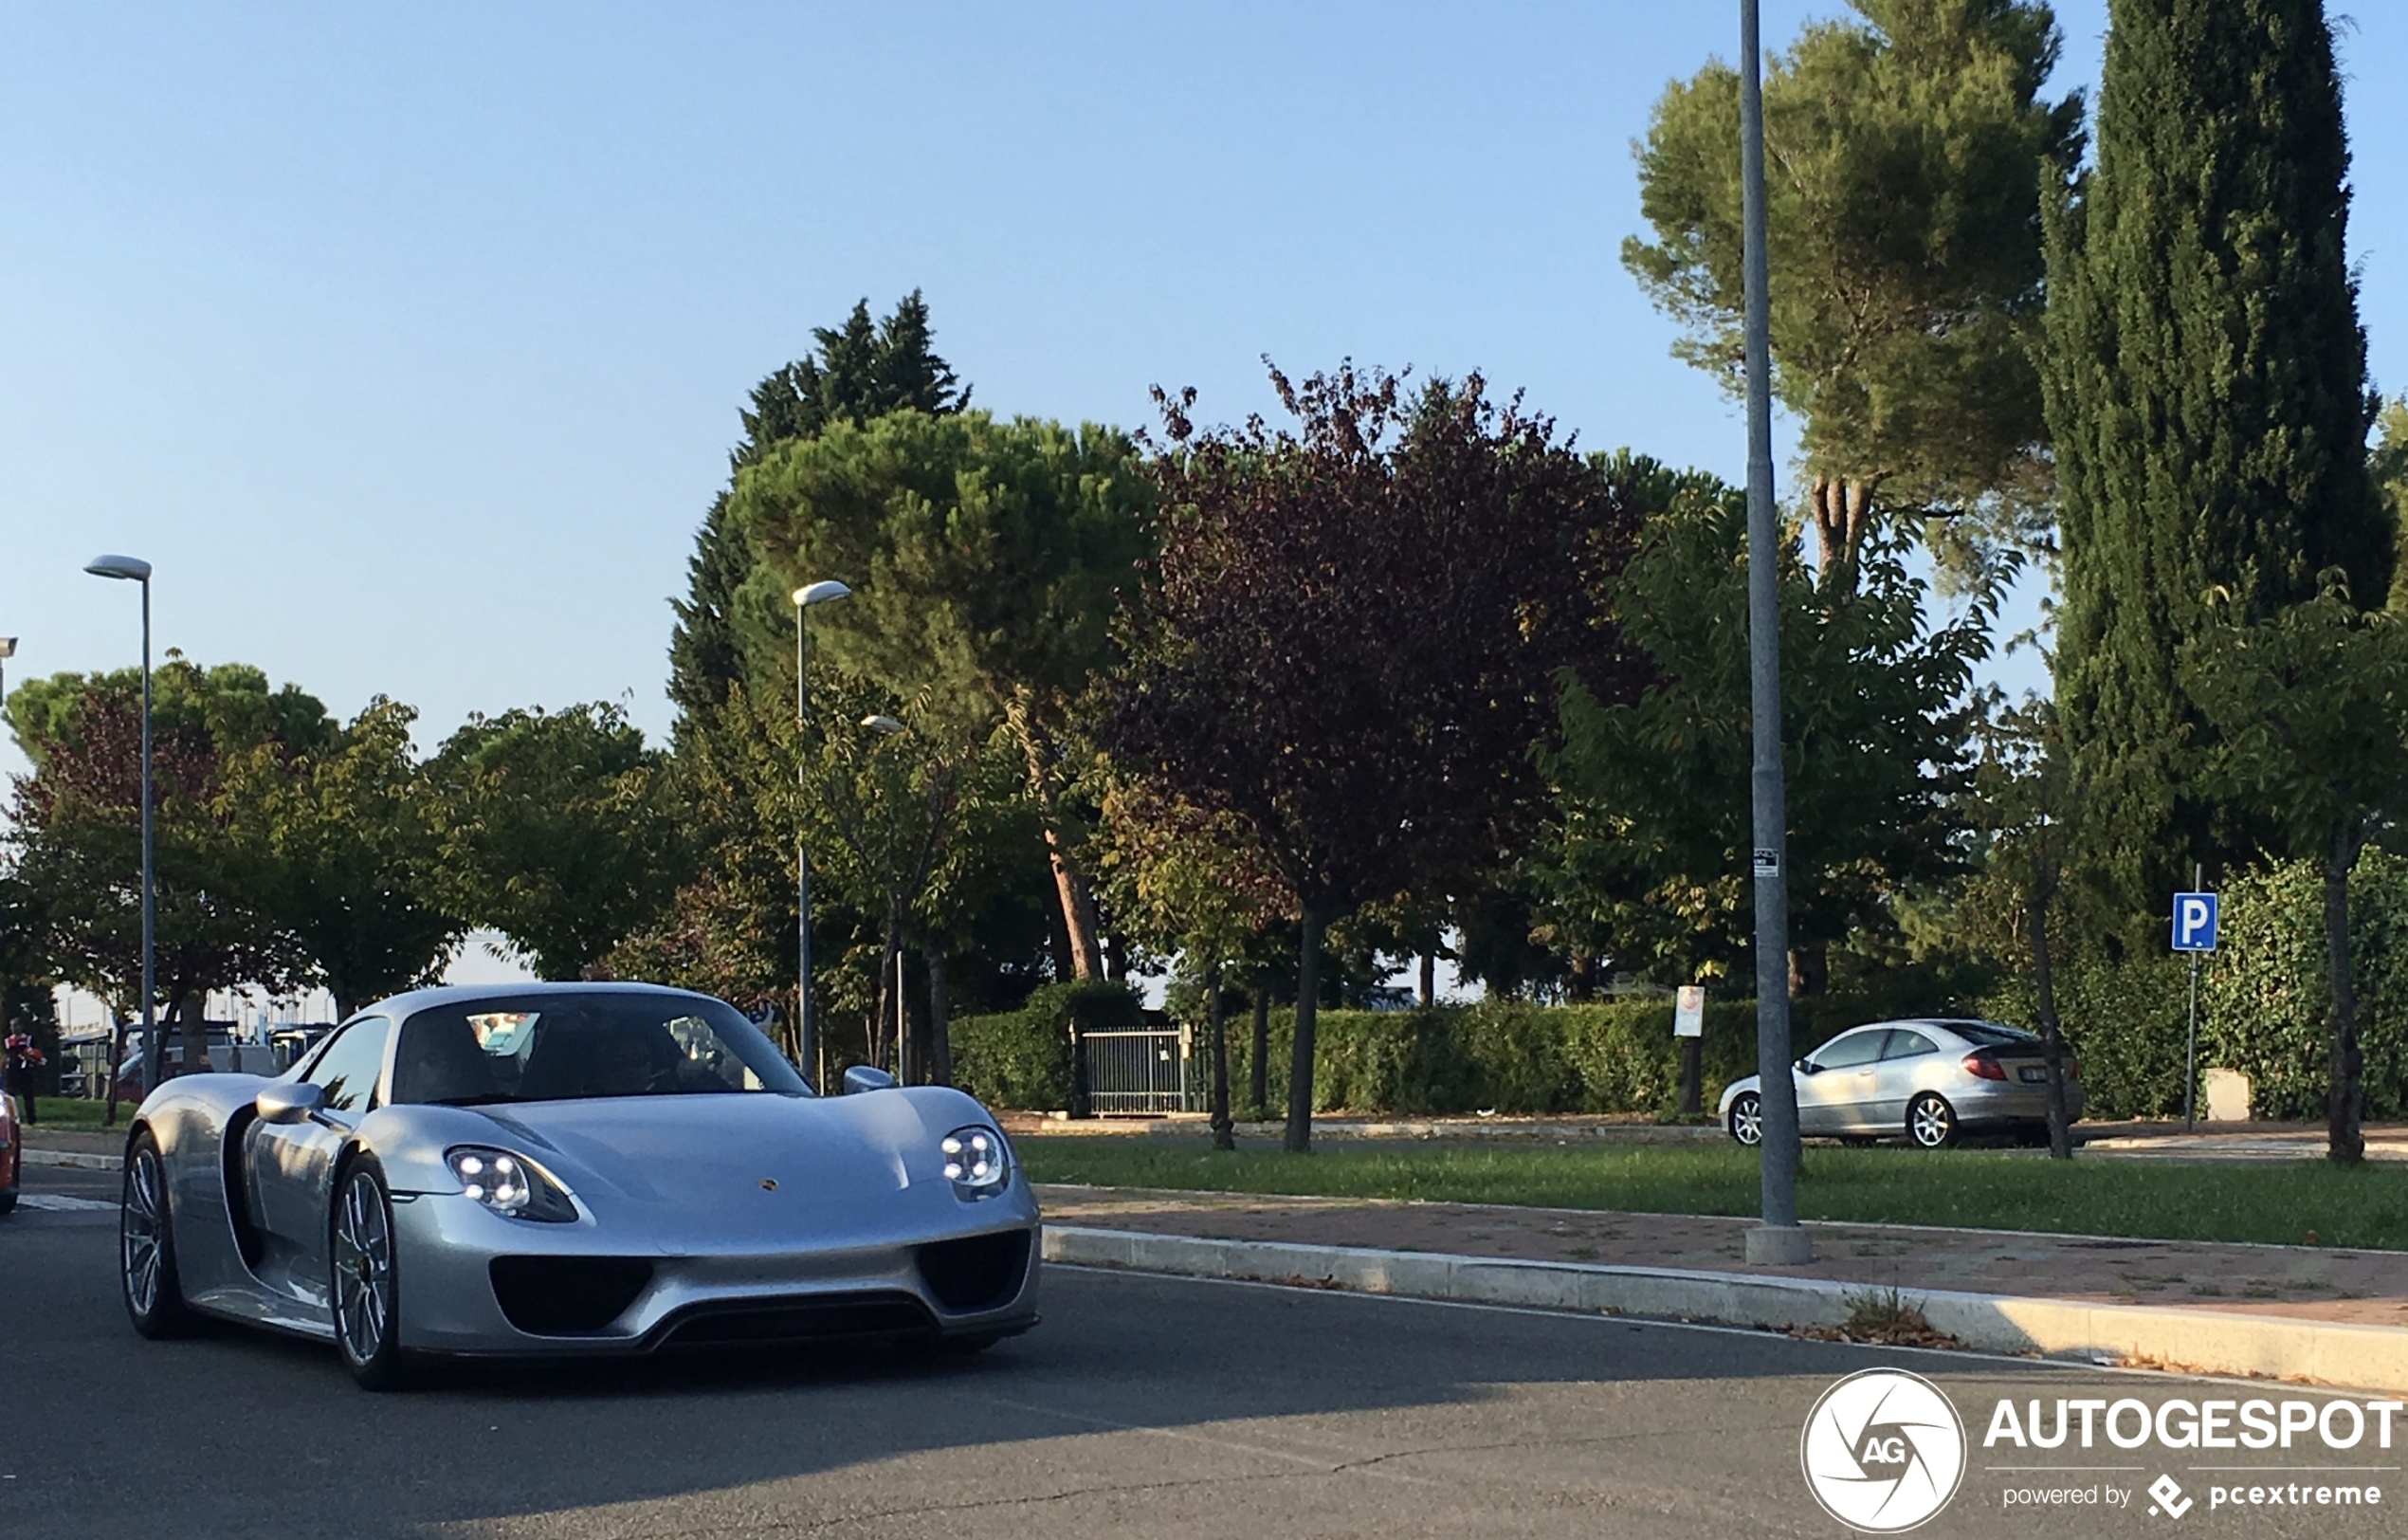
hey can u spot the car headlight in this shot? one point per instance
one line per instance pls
(976, 1161)
(508, 1184)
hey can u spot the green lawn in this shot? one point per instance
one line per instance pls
(2283, 1203)
(73, 1112)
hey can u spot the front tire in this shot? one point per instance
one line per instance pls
(146, 1246)
(365, 1287)
(1746, 1119)
(1931, 1123)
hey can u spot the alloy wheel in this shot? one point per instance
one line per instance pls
(139, 1222)
(363, 1269)
(1747, 1120)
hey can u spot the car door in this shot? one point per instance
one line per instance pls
(1833, 1097)
(1904, 1059)
(289, 1167)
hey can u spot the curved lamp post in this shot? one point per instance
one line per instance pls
(135, 570)
(806, 1034)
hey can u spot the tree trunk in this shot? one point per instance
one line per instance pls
(939, 1019)
(1217, 1012)
(1300, 1063)
(1070, 885)
(1258, 1092)
(1843, 512)
(193, 1015)
(2344, 1140)
(882, 1007)
(2051, 1038)
(1809, 970)
(1429, 993)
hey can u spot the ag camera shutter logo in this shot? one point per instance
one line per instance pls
(1883, 1450)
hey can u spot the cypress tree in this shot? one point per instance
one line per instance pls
(2206, 389)
(857, 371)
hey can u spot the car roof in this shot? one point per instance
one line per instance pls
(414, 1000)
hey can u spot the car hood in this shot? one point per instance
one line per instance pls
(694, 1166)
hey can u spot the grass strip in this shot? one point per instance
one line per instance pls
(2287, 1203)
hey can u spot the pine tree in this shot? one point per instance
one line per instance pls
(858, 370)
(2206, 389)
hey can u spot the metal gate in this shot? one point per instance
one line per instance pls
(1135, 1072)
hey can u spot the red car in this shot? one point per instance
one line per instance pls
(12, 1153)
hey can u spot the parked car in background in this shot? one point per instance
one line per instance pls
(226, 1056)
(1930, 1081)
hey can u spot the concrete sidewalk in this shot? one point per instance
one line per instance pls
(2310, 1314)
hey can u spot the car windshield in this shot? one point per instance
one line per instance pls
(563, 1047)
(1989, 1035)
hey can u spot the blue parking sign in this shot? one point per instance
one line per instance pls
(2195, 922)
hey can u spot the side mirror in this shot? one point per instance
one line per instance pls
(863, 1077)
(290, 1100)
(1809, 1067)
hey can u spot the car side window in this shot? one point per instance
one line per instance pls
(350, 1065)
(1905, 1043)
(1856, 1047)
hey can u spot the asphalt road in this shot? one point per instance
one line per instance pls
(1141, 1408)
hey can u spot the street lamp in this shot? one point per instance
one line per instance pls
(806, 1040)
(1778, 1240)
(885, 726)
(135, 570)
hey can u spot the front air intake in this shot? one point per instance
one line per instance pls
(977, 1273)
(567, 1296)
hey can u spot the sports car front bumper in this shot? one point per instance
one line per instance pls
(474, 1282)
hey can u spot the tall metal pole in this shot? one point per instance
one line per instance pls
(154, 1057)
(806, 1040)
(2191, 1045)
(1778, 1240)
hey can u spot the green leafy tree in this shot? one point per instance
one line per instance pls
(1191, 884)
(901, 806)
(857, 372)
(987, 559)
(2027, 811)
(1652, 851)
(1353, 636)
(77, 834)
(2390, 466)
(1904, 154)
(2310, 708)
(555, 829)
(2207, 395)
(344, 835)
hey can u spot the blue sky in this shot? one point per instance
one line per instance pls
(408, 341)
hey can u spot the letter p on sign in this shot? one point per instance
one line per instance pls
(2195, 922)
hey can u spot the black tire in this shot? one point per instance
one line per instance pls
(9, 1202)
(147, 1276)
(1745, 1122)
(1931, 1123)
(364, 1287)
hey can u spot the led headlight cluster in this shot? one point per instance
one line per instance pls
(976, 1161)
(507, 1184)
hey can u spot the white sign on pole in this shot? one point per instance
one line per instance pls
(1688, 1012)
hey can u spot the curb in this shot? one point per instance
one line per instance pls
(74, 1159)
(2207, 1342)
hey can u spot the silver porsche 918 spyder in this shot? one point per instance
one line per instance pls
(570, 1168)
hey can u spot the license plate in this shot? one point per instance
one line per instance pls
(2034, 1074)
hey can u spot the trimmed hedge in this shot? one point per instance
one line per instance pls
(1022, 1058)
(1499, 1054)
(2264, 1003)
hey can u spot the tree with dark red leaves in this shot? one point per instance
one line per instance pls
(1355, 637)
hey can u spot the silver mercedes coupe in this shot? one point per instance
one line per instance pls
(1929, 1080)
(570, 1168)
